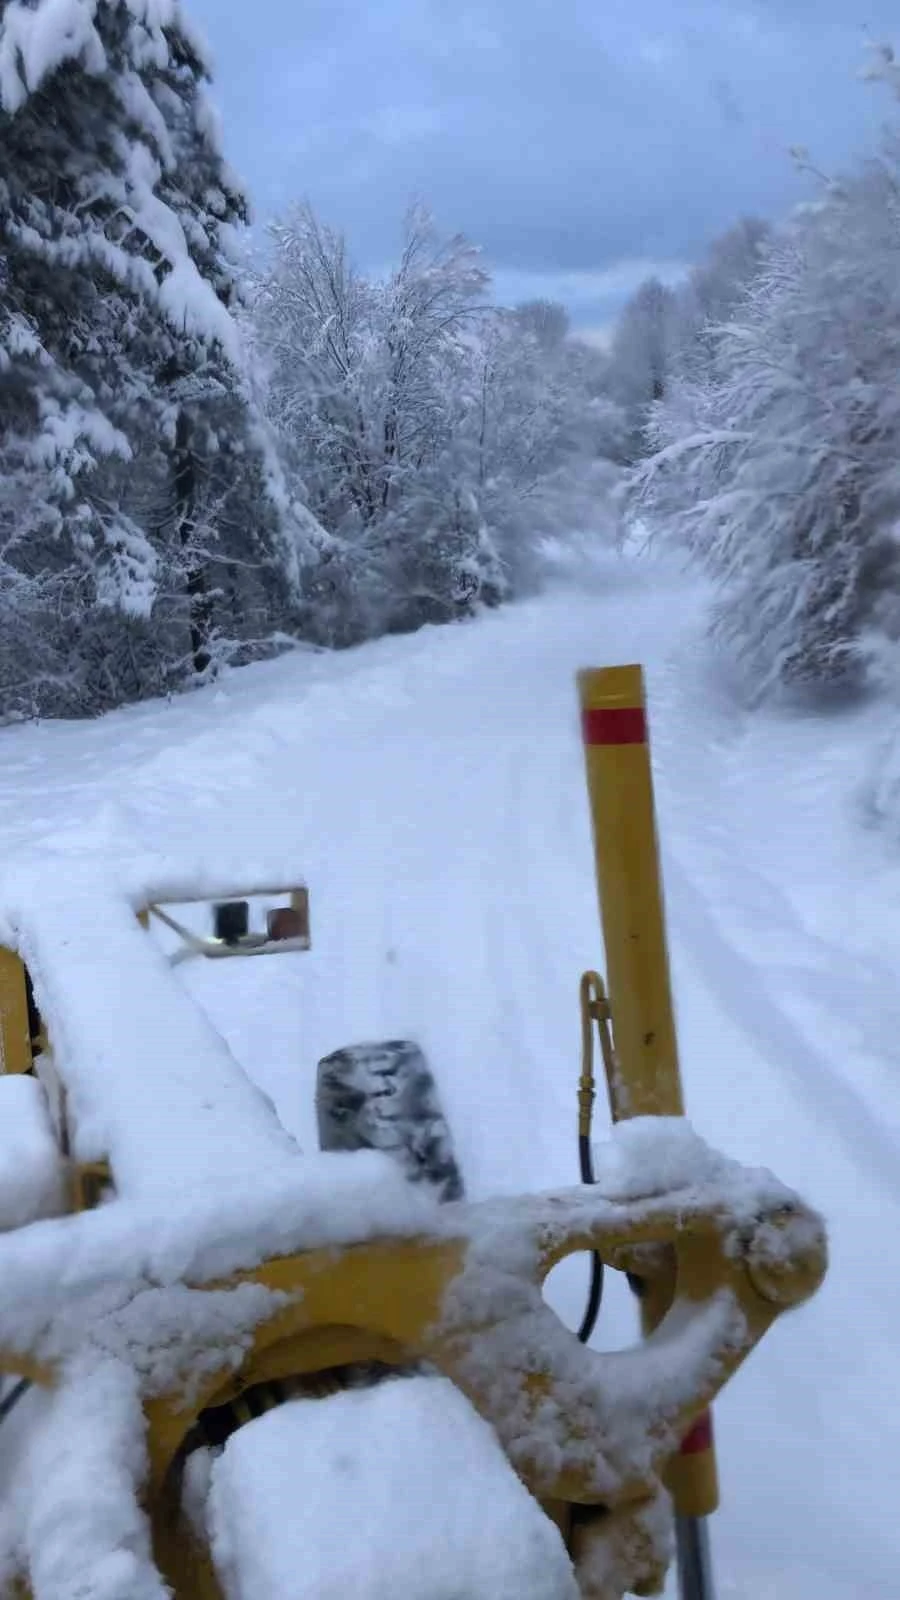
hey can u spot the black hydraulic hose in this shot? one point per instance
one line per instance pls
(11, 1400)
(595, 1291)
(594, 1013)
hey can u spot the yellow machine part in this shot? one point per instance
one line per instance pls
(620, 789)
(15, 1032)
(646, 1079)
(399, 1300)
(19, 1051)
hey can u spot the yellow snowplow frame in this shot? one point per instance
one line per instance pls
(17, 1048)
(396, 1300)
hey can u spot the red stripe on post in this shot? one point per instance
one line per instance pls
(614, 725)
(700, 1436)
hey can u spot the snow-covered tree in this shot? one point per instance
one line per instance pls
(359, 378)
(665, 336)
(641, 356)
(780, 465)
(354, 365)
(536, 441)
(437, 437)
(547, 321)
(122, 404)
(712, 291)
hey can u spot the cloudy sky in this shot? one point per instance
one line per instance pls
(582, 144)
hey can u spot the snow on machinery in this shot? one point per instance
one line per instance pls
(261, 1274)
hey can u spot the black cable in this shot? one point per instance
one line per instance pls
(595, 1291)
(11, 1400)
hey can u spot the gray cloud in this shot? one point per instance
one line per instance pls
(570, 143)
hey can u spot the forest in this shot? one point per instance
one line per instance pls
(221, 439)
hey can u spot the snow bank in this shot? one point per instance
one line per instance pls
(32, 1177)
(398, 1490)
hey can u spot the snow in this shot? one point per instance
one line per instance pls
(430, 790)
(650, 1155)
(110, 1275)
(119, 1289)
(32, 1180)
(36, 40)
(316, 1472)
(66, 428)
(140, 106)
(186, 297)
(84, 1532)
(178, 1101)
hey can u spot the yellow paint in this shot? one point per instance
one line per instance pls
(646, 1080)
(620, 789)
(15, 1038)
(89, 1179)
(390, 1301)
(693, 1482)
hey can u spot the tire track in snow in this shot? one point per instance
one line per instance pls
(694, 792)
(735, 984)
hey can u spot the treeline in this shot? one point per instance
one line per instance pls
(201, 461)
(770, 444)
(434, 436)
(205, 458)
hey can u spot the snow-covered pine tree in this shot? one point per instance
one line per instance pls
(123, 412)
(50, 430)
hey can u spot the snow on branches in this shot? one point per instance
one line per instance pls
(773, 453)
(143, 520)
(438, 437)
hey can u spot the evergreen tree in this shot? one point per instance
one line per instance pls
(122, 402)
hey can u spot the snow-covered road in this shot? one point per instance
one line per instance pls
(433, 789)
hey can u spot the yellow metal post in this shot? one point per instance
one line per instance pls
(620, 787)
(646, 1080)
(15, 1030)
